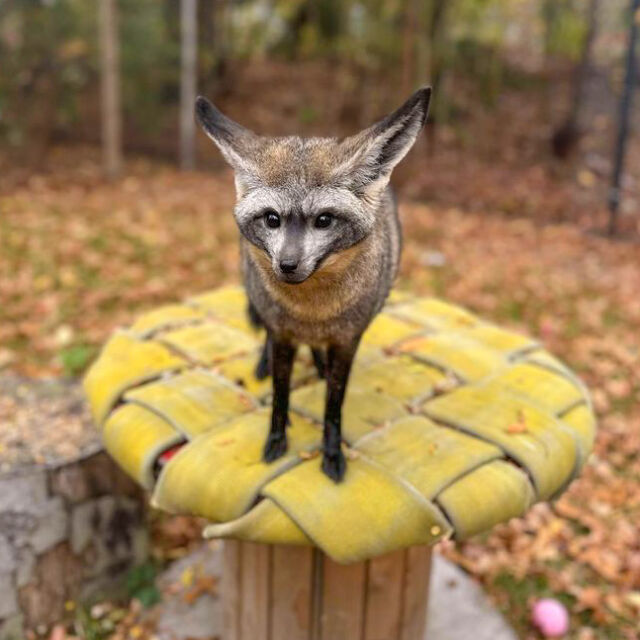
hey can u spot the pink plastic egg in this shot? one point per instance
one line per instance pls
(550, 617)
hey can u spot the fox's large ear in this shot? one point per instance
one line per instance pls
(371, 155)
(233, 140)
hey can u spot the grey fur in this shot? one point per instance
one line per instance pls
(344, 272)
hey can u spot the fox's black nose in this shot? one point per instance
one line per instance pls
(288, 266)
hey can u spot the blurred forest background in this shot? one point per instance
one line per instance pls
(518, 84)
(504, 203)
(516, 81)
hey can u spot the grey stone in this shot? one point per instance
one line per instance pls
(16, 526)
(7, 555)
(57, 575)
(99, 471)
(140, 545)
(458, 608)
(52, 526)
(82, 518)
(8, 599)
(12, 628)
(26, 561)
(106, 586)
(108, 531)
(92, 477)
(70, 482)
(87, 519)
(206, 559)
(43, 529)
(23, 493)
(201, 619)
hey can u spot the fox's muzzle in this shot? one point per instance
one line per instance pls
(290, 264)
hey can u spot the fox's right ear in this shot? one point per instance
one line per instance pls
(233, 140)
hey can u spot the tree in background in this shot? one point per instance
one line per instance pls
(625, 110)
(566, 136)
(110, 89)
(188, 79)
(375, 50)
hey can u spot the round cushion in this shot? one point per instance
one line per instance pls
(451, 425)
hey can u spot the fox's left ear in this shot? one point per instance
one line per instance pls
(371, 155)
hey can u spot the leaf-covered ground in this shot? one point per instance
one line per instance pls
(79, 256)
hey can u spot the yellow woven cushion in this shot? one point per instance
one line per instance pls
(451, 426)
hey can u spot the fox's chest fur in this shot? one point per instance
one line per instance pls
(339, 300)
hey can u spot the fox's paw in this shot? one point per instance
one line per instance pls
(334, 464)
(275, 447)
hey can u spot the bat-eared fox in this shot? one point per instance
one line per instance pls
(320, 248)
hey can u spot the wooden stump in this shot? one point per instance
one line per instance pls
(71, 524)
(297, 593)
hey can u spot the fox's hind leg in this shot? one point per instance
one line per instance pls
(320, 362)
(263, 368)
(254, 316)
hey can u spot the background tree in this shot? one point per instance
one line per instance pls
(566, 136)
(188, 79)
(625, 111)
(110, 96)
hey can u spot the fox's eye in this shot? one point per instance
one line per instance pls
(323, 220)
(272, 219)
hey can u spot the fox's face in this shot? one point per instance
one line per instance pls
(302, 201)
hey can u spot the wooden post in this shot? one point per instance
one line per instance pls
(188, 75)
(110, 89)
(297, 593)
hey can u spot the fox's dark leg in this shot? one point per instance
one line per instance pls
(264, 363)
(339, 360)
(282, 353)
(320, 362)
(254, 316)
(263, 368)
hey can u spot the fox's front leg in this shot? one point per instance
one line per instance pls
(339, 359)
(282, 354)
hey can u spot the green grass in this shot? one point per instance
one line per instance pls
(141, 584)
(76, 358)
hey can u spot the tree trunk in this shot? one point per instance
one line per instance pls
(582, 71)
(110, 98)
(188, 77)
(409, 46)
(207, 40)
(438, 44)
(567, 135)
(623, 124)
